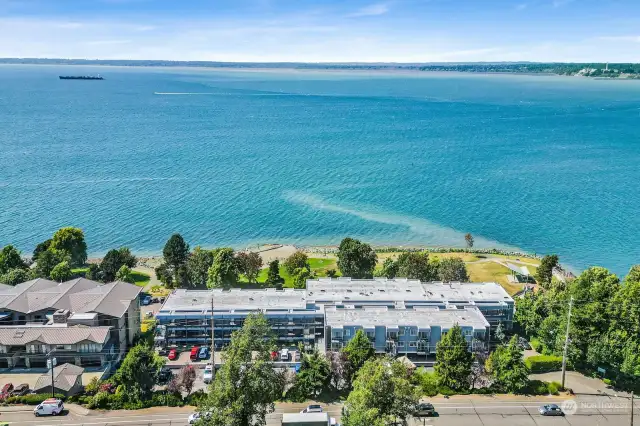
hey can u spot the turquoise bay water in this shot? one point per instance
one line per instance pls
(543, 164)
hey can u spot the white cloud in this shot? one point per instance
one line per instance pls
(629, 39)
(371, 10)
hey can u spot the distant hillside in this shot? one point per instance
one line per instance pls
(628, 70)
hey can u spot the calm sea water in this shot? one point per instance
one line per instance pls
(543, 164)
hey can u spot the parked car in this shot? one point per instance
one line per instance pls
(6, 390)
(146, 300)
(165, 375)
(173, 354)
(425, 409)
(195, 416)
(524, 344)
(284, 355)
(207, 376)
(21, 389)
(314, 408)
(49, 407)
(149, 314)
(203, 353)
(550, 410)
(194, 353)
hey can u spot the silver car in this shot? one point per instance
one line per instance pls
(550, 410)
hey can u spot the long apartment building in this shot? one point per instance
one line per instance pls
(84, 322)
(399, 316)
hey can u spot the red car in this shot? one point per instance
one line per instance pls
(173, 354)
(194, 353)
(6, 390)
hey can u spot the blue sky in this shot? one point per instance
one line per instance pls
(327, 30)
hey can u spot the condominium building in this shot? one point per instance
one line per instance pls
(83, 321)
(400, 316)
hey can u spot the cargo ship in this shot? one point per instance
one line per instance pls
(80, 77)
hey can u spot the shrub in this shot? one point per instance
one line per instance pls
(31, 399)
(607, 382)
(93, 386)
(166, 399)
(196, 398)
(543, 363)
(536, 344)
(554, 388)
(426, 381)
(446, 391)
(537, 387)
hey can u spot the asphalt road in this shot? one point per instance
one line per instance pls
(589, 411)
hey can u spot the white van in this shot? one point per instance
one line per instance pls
(284, 355)
(49, 407)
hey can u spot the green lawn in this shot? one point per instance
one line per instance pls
(139, 278)
(319, 267)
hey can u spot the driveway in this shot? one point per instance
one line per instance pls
(579, 383)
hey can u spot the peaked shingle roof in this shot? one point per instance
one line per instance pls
(65, 377)
(78, 295)
(52, 335)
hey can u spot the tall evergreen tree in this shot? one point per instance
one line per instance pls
(507, 368)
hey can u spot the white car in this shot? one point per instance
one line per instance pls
(312, 409)
(193, 418)
(49, 407)
(207, 376)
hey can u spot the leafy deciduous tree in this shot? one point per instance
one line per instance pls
(358, 351)
(414, 265)
(224, 271)
(245, 387)
(41, 248)
(313, 377)
(452, 269)
(382, 394)
(10, 258)
(15, 276)
(507, 368)
(187, 377)
(139, 372)
(249, 264)
(356, 259)
(70, 241)
(300, 277)
(61, 272)
(545, 270)
(453, 360)
(198, 265)
(297, 260)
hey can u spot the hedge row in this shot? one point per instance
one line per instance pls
(30, 399)
(543, 363)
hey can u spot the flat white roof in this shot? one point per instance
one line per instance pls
(199, 301)
(347, 290)
(421, 317)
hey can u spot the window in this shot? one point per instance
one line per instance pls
(401, 344)
(370, 334)
(402, 331)
(347, 332)
(412, 344)
(413, 331)
(423, 334)
(392, 334)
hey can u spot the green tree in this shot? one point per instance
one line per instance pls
(452, 269)
(314, 377)
(224, 271)
(249, 264)
(164, 274)
(15, 276)
(358, 351)
(382, 394)
(10, 258)
(139, 372)
(273, 275)
(453, 360)
(389, 268)
(94, 273)
(70, 241)
(245, 387)
(545, 270)
(124, 274)
(198, 265)
(47, 261)
(633, 275)
(296, 261)
(507, 368)
(356, 259)
(41, 248)
(61, 272)
(499, 333)
(175, 252)
(468, 238)
(416, 266)
(114, 260)
(300, 277)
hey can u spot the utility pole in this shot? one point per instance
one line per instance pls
(631, 408)
(566, 343)
(51, 364)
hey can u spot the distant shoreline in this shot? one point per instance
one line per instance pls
(505, 68)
